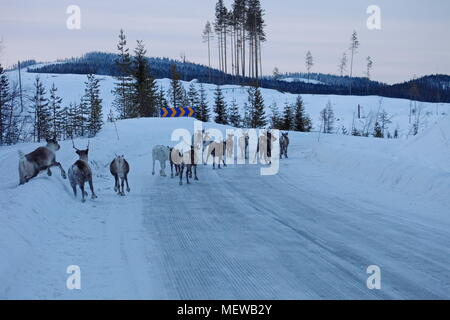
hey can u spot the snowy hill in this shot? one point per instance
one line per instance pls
(71, 88)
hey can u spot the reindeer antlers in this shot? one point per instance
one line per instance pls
(73, 144)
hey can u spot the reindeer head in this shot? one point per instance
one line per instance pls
(83, 154)
(52, 144)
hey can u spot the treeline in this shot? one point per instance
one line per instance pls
(42, 115)
(433, 88)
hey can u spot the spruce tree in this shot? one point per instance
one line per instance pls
(256, 108)
(288, 118)
(40, 111)
(302, 122)
(93, 104)
(203, 108)
(176, 91)
(123, 89)
(56, 116)
(234, 117)
(220, 107)
(275, 118)
(193, 97)
(144, 86)
(161, 101)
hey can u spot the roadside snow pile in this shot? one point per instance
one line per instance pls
(419, 167)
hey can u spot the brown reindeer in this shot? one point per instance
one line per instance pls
(80, 173)
(217, 150)
(43, 158)
(120, 168)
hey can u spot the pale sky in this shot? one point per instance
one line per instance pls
(414, 39)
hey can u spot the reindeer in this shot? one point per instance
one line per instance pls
(230, 146)
(120, 168)
(243, 145)
(80, 173)
(161, 154)
(43, 158)
(217, 150)
(175, 161)
(189, 161)
(265, 142)
(284, 144)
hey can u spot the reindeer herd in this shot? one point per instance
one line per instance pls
(182, 162)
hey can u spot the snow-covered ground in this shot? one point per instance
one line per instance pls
(312, 81)
(338, 205)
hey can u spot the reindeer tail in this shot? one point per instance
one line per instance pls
(21, 156)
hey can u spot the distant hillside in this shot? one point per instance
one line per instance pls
(433, 88)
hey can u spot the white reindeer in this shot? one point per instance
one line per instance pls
(161, 154)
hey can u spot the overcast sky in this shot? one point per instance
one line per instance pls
(414, 39)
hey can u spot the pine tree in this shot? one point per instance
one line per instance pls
(288, 118)
(220, 107)
(123, 90)
(41, 114)
(203, 108)
(4, 103)
(256, 108)
(302, 122)
(176, 91)
(234, 116)
(354, 45)
(56, 116)
(93, 104)
(144, 86)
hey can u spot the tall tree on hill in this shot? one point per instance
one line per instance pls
(220, 27)
(207, 36)
(309, 63)
(123, 87)
(239, 25)
(256, 108)
(203, 108)
(220, 107)
(56, 115)
(343, 64)
(255, 30)
(176, 91)
(144, 86)
(369, 67)
(40, 111)
(354, 45)
(93, 105)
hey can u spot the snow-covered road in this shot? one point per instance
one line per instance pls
(307, 232)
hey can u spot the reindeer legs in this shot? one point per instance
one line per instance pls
(91, 186)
